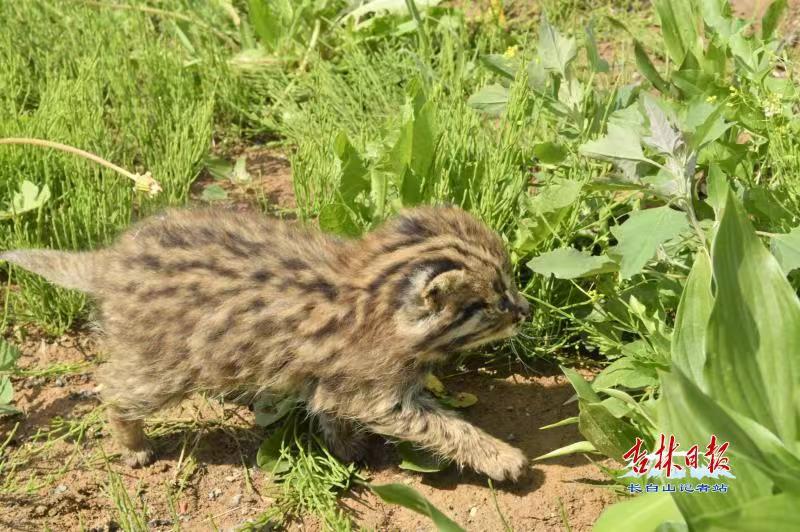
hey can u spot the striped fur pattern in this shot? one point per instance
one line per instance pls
(209, 300)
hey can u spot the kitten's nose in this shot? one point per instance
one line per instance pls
(523, 309)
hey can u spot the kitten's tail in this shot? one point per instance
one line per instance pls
(70, 270)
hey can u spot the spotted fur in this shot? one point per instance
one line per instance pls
(204, 300)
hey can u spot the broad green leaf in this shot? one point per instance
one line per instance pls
(572, 448)
(757, 457)
(214, 192)
(459, 400)
(411, 184)
(6, 390)
(271, 409)
(717, 188)
(547, 209)
(616, 407)
(270, 453)
(434, 385)
(774, 512)
(425, 134)
(267, 19)
(8, 410)
(641, 234)
(624, 372)
(410, 498)
(555, 51)
(691, 321)
(639, 514)
(550, 152)
(415, 459)
(663, 135)
(491, 99)
(569, 263)
(629, 117)
(745, 52)
(610, 436)
(705, 123)
(598, 63)
(619, 143)
(355, 177)
(769, 22)
(219, 168)
(754, 331)
(679, 26)
(9, 354)
(647, 69)
(554, 196)
(693, 83)
(564, 422)
(379, 185)
(500, 64)
(786, 248)
(571, 94)
(239, 175)
(582, 388)
(538, 75)
(667, 183)
(716, 15)
(337, 218)
(412, 155)
(28, 198)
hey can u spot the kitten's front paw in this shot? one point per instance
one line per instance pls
(140, 458)
(353, 451)
(507, 463)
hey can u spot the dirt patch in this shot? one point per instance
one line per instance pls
(270, 182)
(512, 407)
(64, 471)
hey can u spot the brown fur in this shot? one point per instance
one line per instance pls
(202, 300)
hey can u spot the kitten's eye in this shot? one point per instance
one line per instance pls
(505, 304)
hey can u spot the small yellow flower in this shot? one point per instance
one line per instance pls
(146, 183)
(511, 52)
(712, 98)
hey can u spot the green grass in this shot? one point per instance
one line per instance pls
(143, 91)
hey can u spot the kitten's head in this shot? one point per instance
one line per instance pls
(454, 282)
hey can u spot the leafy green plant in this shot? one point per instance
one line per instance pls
(411, 499)
(309, 479)
(659, 146)
(29, 198)
(734, 368)
(9, 355)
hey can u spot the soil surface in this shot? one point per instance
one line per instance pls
(205, 474)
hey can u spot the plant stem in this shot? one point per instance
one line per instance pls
(142, 181)
(423, 37)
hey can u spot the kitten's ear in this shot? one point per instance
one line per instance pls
(440, 288)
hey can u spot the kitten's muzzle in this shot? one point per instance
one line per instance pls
(523, 309)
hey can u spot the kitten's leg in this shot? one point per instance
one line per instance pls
(426, 423)
(344, 438)
(130, 433)
(133, 394)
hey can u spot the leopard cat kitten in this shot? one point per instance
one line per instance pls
(209, 300)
